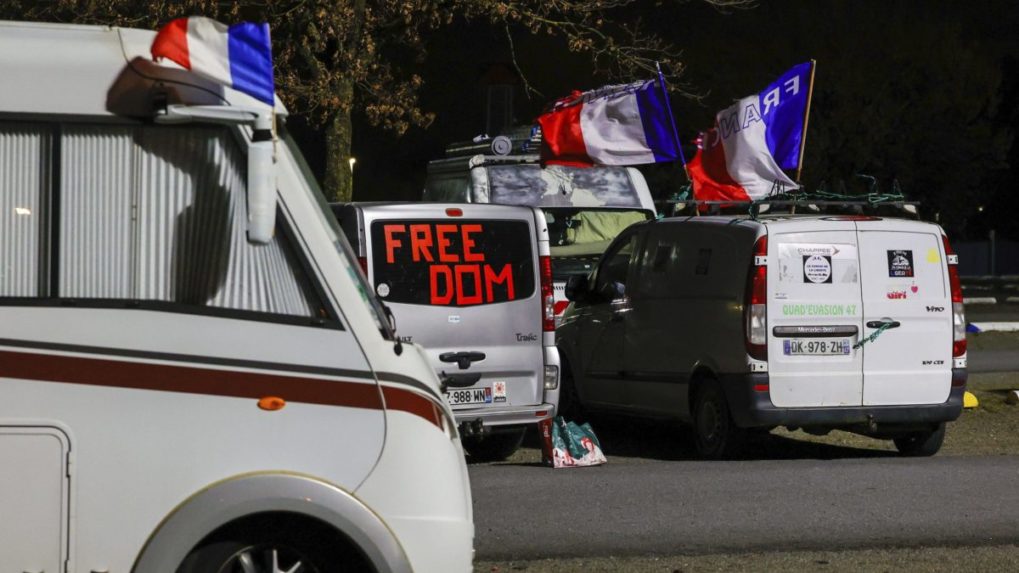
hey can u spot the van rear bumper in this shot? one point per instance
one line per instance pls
(753, 409)
(518, 416)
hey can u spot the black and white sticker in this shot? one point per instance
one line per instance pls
(900, 263)
(817, 269)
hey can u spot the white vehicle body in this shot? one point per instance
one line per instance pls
(165, 382)
(472, 285)
(586, 207)
(820, 322)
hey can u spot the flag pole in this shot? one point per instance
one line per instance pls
(672, 118)
(806, 119)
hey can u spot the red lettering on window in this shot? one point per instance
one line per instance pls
(468, 242)
(392, 243)
(434, 272)
(443, 242)
(505, 277)
(463, 272)
(421, 242)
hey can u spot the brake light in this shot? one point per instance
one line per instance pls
(958, 312)
(454, 212)
(755, 307)
(547, 297)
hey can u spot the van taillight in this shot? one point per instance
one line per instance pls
(958, 312)
(755, 308)
(547, 297)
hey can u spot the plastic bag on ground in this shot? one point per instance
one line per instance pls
(569, 445)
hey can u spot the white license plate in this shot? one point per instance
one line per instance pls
(816, 346)
(469, 396)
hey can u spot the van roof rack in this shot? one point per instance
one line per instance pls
(523, 140)
(793, 205)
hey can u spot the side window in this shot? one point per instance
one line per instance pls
(658, 265)
(24, 185)
(157, 214)
(614, 270)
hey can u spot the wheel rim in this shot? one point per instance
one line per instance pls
(709, 423)
(267, 559)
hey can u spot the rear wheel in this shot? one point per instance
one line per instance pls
(923, 444)
(717, 437)
(497, 446)
(275, 543)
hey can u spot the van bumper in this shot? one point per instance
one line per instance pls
(492, 417)
(753, 409)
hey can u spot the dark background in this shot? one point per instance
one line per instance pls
(922, 93)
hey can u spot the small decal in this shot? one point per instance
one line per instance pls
(935, 308)
(896, 295)
(933, 362)
(913, 288)
(817, 269)
(781, 296)
(900, 263)
(454, 319)
(499, 391)
(529, 337)
(382, 290)
(933, 256)
(819, 309)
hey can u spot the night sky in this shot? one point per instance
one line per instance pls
(921, 92)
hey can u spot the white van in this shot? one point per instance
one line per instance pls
(731, 323)
(193, 375)
(586, 207)
(473, 285)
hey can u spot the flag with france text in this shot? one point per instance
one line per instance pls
(743, 157)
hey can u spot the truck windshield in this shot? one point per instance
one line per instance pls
(558, 186)
(339, 241)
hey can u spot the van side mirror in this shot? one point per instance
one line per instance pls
(577, 288)
(261, 184)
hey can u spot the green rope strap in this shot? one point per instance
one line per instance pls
(873, 335)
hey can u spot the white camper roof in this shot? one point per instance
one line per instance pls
(79, 70)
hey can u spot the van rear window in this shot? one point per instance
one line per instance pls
(452, 263)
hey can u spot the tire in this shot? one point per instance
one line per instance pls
(496, 446)
(274, 543)
(570, 406)
(716, 435)
(923, 444)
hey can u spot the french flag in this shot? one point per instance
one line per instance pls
(615, 125)
(237, 56)
(742, 158)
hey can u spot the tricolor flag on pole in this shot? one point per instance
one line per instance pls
(742, 158)
(237, 56)
(627, 124)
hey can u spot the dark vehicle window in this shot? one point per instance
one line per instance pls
(614, 268)
(452, 263)
(659, 266)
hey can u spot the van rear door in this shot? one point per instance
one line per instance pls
(464, 281)
(814, 314)
(905, 286)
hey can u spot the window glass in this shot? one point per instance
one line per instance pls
(560, 186)
(659, 265)
(614, 269)
(24, 161)
(449, 188)
(461, 263)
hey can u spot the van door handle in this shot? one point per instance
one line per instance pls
(462, 359)
(884, 323)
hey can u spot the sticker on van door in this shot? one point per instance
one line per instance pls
(817, 269)
(900, 263)
(817, 263)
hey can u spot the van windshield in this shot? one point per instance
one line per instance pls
(559, 186)
(439, 263)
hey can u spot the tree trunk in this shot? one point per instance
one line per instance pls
(339, 172)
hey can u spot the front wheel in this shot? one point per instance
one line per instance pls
(923, 444)
(497, 446)
(717, 436)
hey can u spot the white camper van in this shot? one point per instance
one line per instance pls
(732, 324)
(473, 285)
(586, 207)
(193, 376)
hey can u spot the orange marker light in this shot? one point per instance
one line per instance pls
(272, 403)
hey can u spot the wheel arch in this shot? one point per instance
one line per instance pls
(247, 495)
(701, 371)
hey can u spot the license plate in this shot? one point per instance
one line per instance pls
(469, 396)
(816, 346)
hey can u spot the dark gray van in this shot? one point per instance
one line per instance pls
(472, 284)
